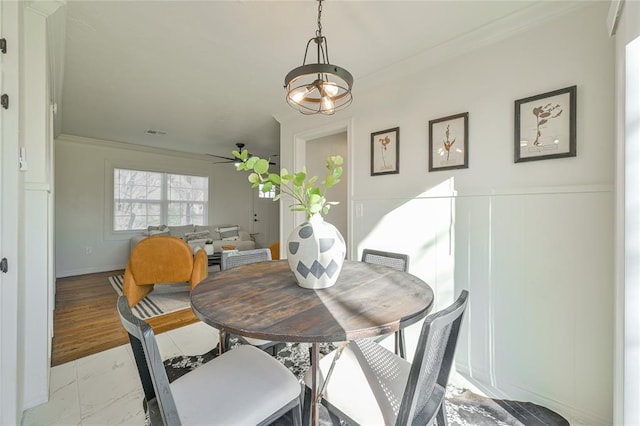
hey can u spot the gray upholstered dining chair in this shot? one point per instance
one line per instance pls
(243, 386)
(231, 259)
(396, 261)
(370, 385)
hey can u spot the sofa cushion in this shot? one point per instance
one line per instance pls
(199, 235)
(213, 231)
(180, 231)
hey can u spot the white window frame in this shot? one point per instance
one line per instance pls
(269, 195)
(109, 226)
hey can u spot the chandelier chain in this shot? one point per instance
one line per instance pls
(319, 32)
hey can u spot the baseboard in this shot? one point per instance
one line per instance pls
(574, 415)
(34, 402)
(92, 270)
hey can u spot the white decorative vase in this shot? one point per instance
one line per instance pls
(316, 251)
(208, 248)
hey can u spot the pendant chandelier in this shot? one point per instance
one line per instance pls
(318, 88)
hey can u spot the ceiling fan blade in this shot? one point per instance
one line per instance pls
(233, 160)
(220, 156)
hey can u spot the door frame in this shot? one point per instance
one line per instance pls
(299, 158)
(10, 402)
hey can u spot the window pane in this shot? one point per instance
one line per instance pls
(130, 215)
(187, 213)
(139, 200)
(184, 188)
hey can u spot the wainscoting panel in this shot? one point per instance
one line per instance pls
(539, 268)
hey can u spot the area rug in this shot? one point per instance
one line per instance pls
(164, 298)
(464, 408)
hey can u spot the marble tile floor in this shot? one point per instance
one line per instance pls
(104, 388)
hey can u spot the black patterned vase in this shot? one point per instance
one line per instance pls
(316, 251)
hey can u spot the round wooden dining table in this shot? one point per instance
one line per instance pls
(263, 301)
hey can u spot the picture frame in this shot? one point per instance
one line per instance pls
(545, 126)
(449, 142)
(385, 152)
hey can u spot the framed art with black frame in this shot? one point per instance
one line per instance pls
(545, 126)
(449, 142)
(385, 152)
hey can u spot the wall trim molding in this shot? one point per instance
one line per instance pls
(499, 192)
(613, 18)
(91, 270)
(129, 146)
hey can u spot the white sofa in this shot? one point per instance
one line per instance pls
(197, 235)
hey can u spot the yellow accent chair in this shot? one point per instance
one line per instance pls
(162, 259)
(275, 250)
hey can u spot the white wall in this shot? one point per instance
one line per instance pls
(533, 242)
(81, 217)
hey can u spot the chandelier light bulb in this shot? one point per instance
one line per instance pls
(327, 103)
(330, 88)
(299, 94)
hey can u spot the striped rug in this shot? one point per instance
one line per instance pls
(163, 299)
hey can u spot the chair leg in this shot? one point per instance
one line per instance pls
(227, 341)
(306, 406)
(400, 346)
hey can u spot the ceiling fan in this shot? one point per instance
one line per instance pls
(240, 147)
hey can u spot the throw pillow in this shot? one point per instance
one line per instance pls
(229, 233)
(202, 235)
(180, 231)
(155, 230)
(213, 231)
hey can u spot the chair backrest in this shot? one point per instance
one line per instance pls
(153, 376)
(392, 260)
(232, 259)
(161, 259)
(427, 382)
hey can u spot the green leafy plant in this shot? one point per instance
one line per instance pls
(308, 196)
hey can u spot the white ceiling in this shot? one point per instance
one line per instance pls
(210, 73)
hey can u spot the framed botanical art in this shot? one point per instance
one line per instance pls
(545, 126)
(449, 142)
(385, 152)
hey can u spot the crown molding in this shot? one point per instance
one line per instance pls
(613, 18)
(45, 8)
(128, 146)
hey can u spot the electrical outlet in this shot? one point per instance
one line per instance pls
(359, 210)
(88, 250)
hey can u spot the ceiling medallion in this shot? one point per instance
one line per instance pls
(319, 88)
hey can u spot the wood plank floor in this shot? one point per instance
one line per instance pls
(85, 320)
